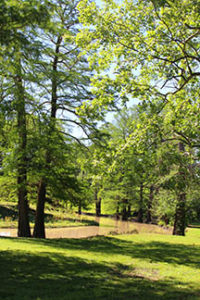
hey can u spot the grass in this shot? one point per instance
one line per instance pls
(60, 218)
(54, 218)
(141, 266)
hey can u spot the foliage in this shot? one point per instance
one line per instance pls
(68, 63)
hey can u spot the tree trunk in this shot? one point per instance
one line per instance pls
(124, 211)
(23, 219)
(140, 211)
(79, 208)
(180, 214)
(117, 211)
(39, 229)
(149, 218)
(179, 222)
(97, 203)
(129, 210)
(124, 214)
(98, 207)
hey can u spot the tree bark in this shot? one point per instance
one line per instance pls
(149, 218)
(39, 228)
(140, 211)
(97, 203)
(23, 219)
(179, 222)
(98, 207)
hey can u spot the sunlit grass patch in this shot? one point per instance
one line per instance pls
(140, 266)
(54, 218)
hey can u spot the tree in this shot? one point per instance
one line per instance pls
(153, 58)
(64, 87)
(16, 46)
(141, 35)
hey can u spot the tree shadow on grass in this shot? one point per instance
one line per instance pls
(8, 212)
(11, 212)
(179, 254)
(55, 276)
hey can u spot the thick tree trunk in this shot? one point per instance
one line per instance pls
(179, 222)
(149, 218)
(23, 220)
(140, 211)
(39, 229)
(180, 214)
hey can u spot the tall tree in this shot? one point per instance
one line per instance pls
(16, 46)
(64, 80)
(23, 227)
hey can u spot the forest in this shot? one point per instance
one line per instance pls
(100, 109)
(100, 149)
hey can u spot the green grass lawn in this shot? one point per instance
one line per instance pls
(140, 266)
